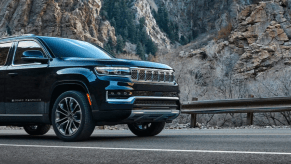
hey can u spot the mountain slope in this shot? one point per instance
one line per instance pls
(77, 19)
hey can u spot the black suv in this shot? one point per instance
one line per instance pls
(75, 86)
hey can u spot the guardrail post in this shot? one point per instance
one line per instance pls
(250, 118)
(193, 116)
(193, 120)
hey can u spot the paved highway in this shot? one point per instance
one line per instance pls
(171, 146)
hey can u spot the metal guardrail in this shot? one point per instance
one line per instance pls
(249, 106)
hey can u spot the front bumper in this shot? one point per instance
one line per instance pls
(152, 115)
(140, 109)
(157, 107)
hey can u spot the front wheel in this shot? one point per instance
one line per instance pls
(146, 129)
(37, 129)
(72, 117)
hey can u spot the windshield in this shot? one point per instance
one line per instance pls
(62, 48)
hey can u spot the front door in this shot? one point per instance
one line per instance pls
(4, 50)
(24, 82)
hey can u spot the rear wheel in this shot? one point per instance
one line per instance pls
(146, 129)
(71, 117)
(37, 129)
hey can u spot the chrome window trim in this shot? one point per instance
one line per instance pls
(30, 39)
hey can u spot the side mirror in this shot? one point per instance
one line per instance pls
(34, 56)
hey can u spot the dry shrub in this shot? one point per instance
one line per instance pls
(153, 58)
(224, 32)
(128, 56)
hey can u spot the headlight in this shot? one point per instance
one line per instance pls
(113, 71)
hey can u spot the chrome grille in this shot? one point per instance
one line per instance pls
(141, 75)
(162, 76)
(167, 76)
(149, 75)
(152, 75)
(156, 76)
(134, 74)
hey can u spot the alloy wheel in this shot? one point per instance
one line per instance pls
(68, 116)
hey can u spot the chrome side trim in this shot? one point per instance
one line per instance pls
(156, 98)
(132, 99)
(121, 100)
(155, 112)
(21, 115)
(155, 115)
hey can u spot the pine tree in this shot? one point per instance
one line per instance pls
(143, 36)
(120, 44)
(183, 40)
(125, 33)
(137, 36)
(151, 47)
(131, 31)
(113, 22)
(141, 23)
(140, 51)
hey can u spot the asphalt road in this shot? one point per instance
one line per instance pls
(171, 146)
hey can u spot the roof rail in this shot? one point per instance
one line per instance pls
(13, 36)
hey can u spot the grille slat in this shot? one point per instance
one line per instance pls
(156, 76)
(134, 74)
(149, 76)
(152, 75)
(162, 76)
(141, 75)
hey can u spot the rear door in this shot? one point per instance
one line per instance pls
(4, 51)
(25, 82)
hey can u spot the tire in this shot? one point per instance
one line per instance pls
(40, 129)
(146, 129)
(75, 124)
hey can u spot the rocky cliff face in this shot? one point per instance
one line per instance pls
(143, 8)
(249, 58)
(76, 19)
(203, 16)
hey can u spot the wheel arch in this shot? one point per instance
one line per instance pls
(62, 87)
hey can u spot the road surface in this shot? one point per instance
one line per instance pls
(171, 146)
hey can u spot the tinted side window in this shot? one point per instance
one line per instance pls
(25, 46)
(4, 49)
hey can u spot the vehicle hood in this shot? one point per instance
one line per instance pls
(116, 62)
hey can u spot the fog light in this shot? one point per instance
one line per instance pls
(119, 94)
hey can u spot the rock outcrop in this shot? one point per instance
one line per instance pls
(142, 8)
(258, 45)
(203, 16)
(76, 19)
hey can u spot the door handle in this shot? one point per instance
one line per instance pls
(12, 74)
